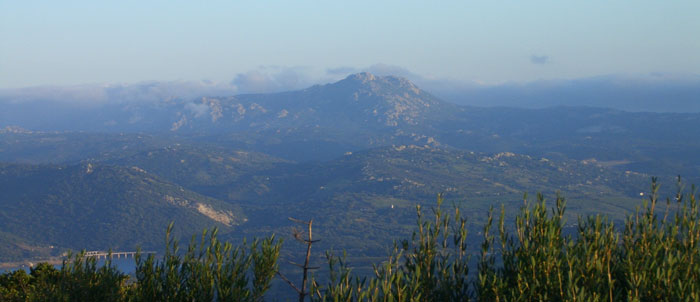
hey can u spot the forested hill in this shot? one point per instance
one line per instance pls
(91, 206)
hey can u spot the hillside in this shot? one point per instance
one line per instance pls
(416, 173)
(90, 206)
(364, 199)
(225, 174)
(72, 147)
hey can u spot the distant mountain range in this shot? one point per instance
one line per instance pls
(356, 155)
(366, 111)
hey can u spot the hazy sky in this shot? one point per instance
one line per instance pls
(73, 42)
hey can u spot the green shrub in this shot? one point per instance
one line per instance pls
(655, 257)
(208, 271)
(79, 279)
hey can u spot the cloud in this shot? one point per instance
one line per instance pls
(268, 79)
(445, 88)
(99, 94)
(79, 94)
(378, 69)
(198, 110)
(274, 79)
(264, 79)
(343, 70)
(381, 69)
(628, 92)
(539, 59)
(655, 92)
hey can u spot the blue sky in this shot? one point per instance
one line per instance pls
(74, 42)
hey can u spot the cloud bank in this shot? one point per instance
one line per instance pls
(650, 92)
(268, 79)
(100, 94)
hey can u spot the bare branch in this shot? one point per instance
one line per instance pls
(289, 282)
(300, 221)
(298, 236)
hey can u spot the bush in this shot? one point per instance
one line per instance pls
(210, 271)
(79, 279)
(654, 258)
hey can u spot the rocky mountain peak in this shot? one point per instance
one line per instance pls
(368, 79)
(388, 100)
(362, 77)
(379, 85)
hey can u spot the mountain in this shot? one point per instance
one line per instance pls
(359, 100)
(322, 121)
(366, 111)
(93, 207)
(358, 112)
(356, 155)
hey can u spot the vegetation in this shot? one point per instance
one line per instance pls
(78, 279)
(654, 256)
(128, 204)
(208, 271)
(97, 207)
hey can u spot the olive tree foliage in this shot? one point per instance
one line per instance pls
(208, 271)
(654, 256)
(432, 266)
(80, 278)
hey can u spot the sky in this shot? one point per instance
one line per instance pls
(230, 42)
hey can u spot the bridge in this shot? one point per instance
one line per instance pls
(118, 255)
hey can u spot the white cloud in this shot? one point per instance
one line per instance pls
(198, 110)
(275, 79)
